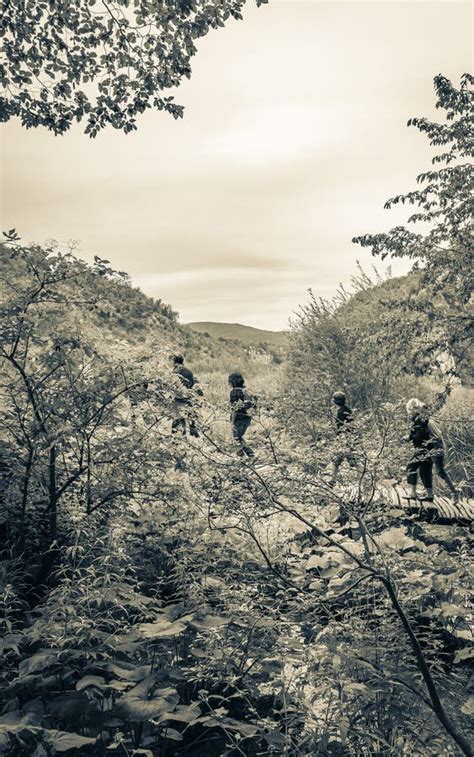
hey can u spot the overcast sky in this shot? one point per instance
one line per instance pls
(294, 135)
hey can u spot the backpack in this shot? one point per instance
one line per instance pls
(186, 377)
(249, 403)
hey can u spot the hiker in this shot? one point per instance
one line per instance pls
(241, 404)
(429, 448)
(344, 417)
(182, 403)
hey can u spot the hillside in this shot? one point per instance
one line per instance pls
(247, 335)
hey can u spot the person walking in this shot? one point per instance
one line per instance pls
(241, 404)
(182, 403)
(343, 419)
(428, 445)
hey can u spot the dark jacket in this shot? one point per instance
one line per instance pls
(239, 404)
(343, 417)
(425, 434)
(187, 379)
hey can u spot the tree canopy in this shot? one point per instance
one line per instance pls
(102, 61)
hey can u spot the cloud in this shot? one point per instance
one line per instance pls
(293, 137)
(257, 296)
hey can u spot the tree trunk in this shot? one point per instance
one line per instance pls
(88, 482)
(52, 507)
(24, 495)
(437, 706)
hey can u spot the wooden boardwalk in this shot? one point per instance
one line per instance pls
(444, 508)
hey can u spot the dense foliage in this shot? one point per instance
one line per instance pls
(161, 596)
(68, 367)
(440, 238)
(105, 62)
(342, 343)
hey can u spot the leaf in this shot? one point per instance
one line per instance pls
(11, 718)
(449, 610)
(184, 713)
(4, 738)
(315, 561)
(275, 739)
(350, 687)
(344, 724)
(330, 559)
(37, 663)
(209, 623)
(468, 707)
(464, 654)
(292, 643)
(265, 623)
(30, 715)
(86, 681)
(62, 741)
(173, 734)
(336, 663)
(162, 629)
(246, 729)
(331, 572)
(19, 730)
(10, 641)
(143, 702)
(33, 712)
(417, 576)
(70, 706)
(129, 643)
(211, 582)
(198, 652)
(397, 539)
(132, 673)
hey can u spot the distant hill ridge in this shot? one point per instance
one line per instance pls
(247, 335)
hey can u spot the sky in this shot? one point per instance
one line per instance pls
(294, 135)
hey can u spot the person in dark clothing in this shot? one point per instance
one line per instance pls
(344, 412)
(182, 401)
(428, 445)
(241, 403)
(343, 418)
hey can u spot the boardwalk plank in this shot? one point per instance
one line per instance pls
(447, 508)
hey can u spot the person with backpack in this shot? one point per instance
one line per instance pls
(242, 404)
(428, 445)
(182, 403)
(343, 419)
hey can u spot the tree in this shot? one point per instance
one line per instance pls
(105, 61)
(68, 376)
(345, 343)
(441, 248)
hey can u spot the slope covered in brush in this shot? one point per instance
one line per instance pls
(248, 335)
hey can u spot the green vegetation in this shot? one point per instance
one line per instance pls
(161, 595)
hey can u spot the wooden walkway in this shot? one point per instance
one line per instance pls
(444, 508)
